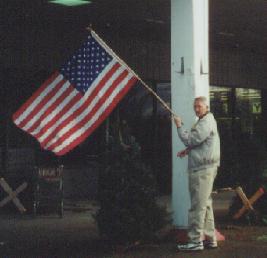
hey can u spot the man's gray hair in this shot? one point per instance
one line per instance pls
(203, 100)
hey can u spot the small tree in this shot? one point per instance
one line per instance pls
(127, 193)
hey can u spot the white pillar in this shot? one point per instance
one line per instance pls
(189, 79)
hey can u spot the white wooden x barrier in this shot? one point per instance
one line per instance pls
(12, 195)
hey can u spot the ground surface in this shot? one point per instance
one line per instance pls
(76, 236)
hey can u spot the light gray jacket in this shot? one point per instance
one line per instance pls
(203, 143)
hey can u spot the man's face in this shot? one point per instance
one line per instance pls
(200, 108)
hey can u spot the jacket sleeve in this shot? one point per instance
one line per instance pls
(197, 135)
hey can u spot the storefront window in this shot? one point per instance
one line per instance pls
(248, 110)
(222, 107)
(238, 113)
(220, 101)
(236, 109)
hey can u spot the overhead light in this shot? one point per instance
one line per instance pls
(71, 2)
(226, 34)
(154, 21)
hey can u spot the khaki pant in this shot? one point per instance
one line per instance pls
(200, 216)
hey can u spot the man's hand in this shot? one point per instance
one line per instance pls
(182, 153)
(178, 121)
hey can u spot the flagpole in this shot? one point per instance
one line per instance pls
(101, 41)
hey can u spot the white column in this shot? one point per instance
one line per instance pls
(189, 79)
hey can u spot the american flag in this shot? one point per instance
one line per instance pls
(75, 100)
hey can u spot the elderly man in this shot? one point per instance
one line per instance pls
(203, 149)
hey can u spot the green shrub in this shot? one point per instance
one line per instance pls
(127, 195)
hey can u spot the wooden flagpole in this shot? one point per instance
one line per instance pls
(111, 52)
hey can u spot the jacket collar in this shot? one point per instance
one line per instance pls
(204, 115)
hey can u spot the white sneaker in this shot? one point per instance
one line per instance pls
(191, 246)
(210, 244)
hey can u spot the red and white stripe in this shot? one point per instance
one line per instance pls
(60, 117)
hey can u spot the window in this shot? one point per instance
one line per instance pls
(248, 110)
(236, 109)
(238, 113)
